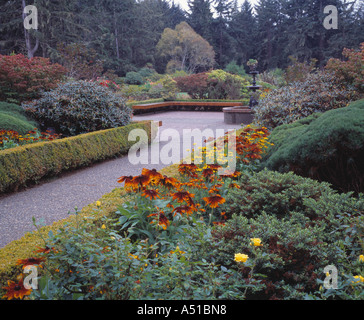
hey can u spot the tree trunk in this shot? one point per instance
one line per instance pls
(116, 37)
(28, 42)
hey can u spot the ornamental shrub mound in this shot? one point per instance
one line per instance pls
(15, 122)
(79, 107)
(23, 79)
(319, 92)
(327, 147)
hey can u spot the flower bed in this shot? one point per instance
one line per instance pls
(186, 236)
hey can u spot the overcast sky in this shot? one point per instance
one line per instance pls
(184, 5)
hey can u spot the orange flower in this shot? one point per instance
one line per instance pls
(183, 209)
(44, 250)
(214, 167)
(214, 201)
(161, 219)
(29, 261)
(181, 196)
(168, 182)
(151, 194)
(16, 290)
(207, 172)
(188, 169)
(128, 181)
(234, 185)
(153, 174)
(140, 181)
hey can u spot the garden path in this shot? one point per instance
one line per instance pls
(52, 200)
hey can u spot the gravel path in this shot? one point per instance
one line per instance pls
(52, 200)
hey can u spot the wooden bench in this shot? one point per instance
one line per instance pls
(189, 105)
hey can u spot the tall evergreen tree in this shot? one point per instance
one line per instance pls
(221, 36)
(269, 32)
(243, 31)
(200, 18)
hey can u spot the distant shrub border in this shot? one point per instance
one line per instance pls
(28, 164)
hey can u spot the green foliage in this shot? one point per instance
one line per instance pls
(304, 226)
(223, 85)
(216, 84)
(15, 121)
(134, 78)
(328, 147)
(234, 68)
(79, 107)
(319, 92)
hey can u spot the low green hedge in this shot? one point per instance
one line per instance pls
(28, 164)
(135, 103)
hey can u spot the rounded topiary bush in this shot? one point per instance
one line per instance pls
(79, 107)
(327, 147)
(133, 78)
(15, 122)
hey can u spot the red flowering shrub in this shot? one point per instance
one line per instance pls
(196, 85)
(23, 79)
(350, 71)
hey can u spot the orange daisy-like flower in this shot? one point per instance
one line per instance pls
(153, 174)
(29, 261)
(16, 290)
(128, 180)
(168, 182)
(183, 209)
(214, 201)
(141, 181)
(181, 196)
(234, 185)
(207, 172)
(188, 169)
(161, 219)
(151, 194)
(44, 250)
(214, 167)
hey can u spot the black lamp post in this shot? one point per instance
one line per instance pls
(253, 65)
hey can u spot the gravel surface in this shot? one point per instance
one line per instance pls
(52, 200)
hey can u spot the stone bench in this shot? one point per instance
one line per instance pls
(238, 115)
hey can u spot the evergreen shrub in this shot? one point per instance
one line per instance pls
(326, 147)
(79, 107)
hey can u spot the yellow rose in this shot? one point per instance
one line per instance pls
(256, 242)
(98, 203)
(358, 279)
(361, 258)
(240, 257)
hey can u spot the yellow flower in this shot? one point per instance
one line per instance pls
(178, 251)
(103, 227)
(358, 279)
(239, 257)
(98, 203)
(256, 242)
(361, 258)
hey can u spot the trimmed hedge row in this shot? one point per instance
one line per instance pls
(28, 164)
